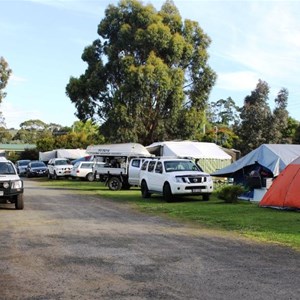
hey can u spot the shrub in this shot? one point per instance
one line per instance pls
(230, 193)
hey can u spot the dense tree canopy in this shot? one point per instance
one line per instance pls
(148, 76)
(259, 125)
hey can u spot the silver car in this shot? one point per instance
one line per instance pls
(21, 166)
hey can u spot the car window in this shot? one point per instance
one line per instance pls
(179, 165)
(158, 168)
(86, 165)
(37, 164)
(144, 165)
(151, 166)
(61, 162)
(7, 168)
(136, 163)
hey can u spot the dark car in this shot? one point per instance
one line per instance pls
(36, 169)
(21, 166)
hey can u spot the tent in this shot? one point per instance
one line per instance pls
(208, 155)
(285, 190)
(62, 153)
(272, 157)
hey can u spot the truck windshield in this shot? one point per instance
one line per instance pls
(7, 168)
(179, 165)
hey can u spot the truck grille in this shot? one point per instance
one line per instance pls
(197, 179)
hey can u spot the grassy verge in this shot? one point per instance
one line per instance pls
(247, 219)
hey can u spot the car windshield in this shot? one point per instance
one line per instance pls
(7, 168)
(179, 165)
(37, 165)
(61, 162)
(24, 163)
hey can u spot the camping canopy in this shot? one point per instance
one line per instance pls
(209, 155)
(124, 149)
(62, 153)
(285, 190)
(274, 157)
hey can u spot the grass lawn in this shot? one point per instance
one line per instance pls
(245, 218)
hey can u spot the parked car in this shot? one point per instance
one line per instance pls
(174, 177)
(84, 170)
(36, 169)
(59, 167)
(11, 186)
(21, 166)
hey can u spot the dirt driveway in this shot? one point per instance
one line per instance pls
(65, 245)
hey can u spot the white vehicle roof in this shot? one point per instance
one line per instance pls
(125, 149)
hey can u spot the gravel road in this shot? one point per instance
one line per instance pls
(66, 245)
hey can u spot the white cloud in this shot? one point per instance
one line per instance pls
(237, 81)
(16, 79)
(15, 115)
(271, 45)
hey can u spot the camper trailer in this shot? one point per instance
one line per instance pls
(120, 164)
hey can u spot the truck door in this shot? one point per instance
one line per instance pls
(134, 171)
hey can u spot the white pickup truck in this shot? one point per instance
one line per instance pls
(173, 177)
(121, 164)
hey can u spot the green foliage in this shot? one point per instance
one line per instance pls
(230, 193)
(36, 125)
(147, 77)
(32, 154)
(296, 138)
(224, 112)
(221, 135)
(5, 73)
(5, 136)
(80, 136)
(258, 124)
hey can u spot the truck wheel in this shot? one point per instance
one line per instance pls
(90, 177)
(167, 193)
(144, 190)
(205, 197)
(49, 176)
(19, 204)
(114, 184)
(55, 176)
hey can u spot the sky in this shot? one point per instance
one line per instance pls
(43, 40)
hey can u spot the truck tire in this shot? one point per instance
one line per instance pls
(55, 176)
(145, 190)
(90, 177)
(167, 193)
(114, 184)
(19, 204)
(49, 175)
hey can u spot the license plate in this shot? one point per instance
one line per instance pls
(1, 193)
(196, 190)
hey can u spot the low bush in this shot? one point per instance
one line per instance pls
(230, 193)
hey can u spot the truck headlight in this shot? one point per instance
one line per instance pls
(180, 179)
(17, 184)
(6, 185)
